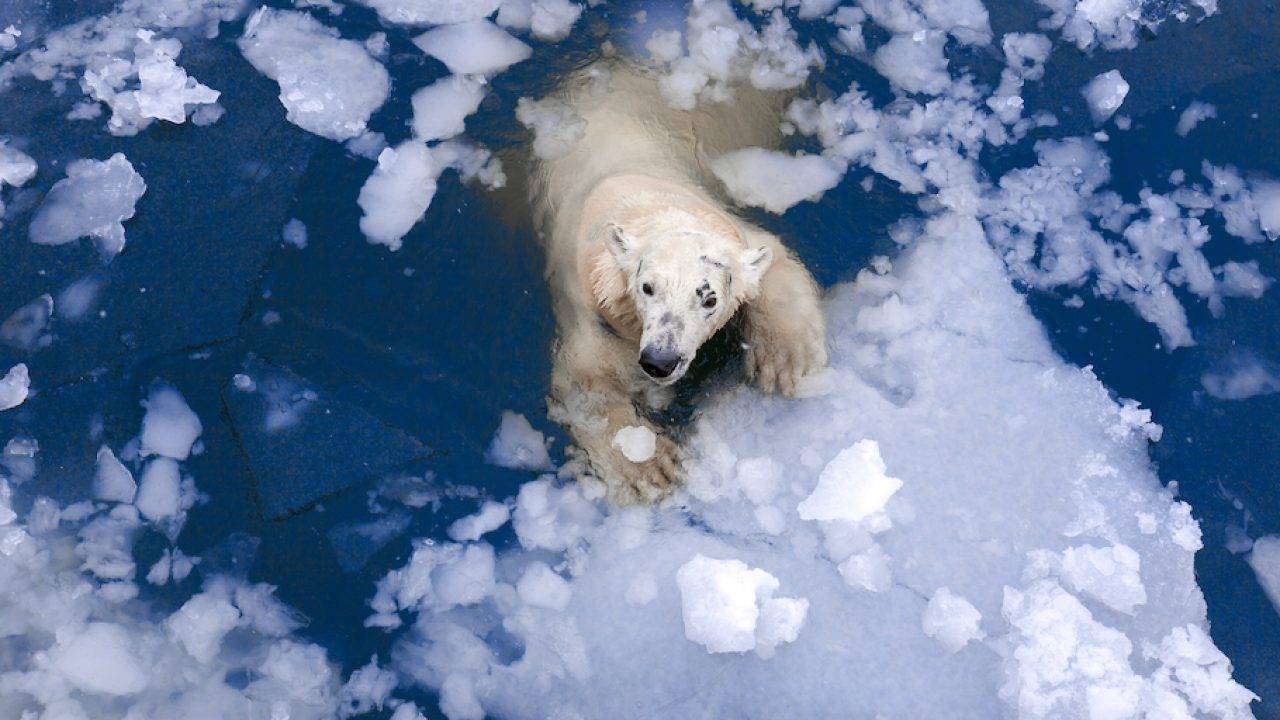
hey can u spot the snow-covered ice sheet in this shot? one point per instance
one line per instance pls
(1001, 495)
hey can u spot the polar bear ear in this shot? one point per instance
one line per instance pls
(755, 262)
(621, 243)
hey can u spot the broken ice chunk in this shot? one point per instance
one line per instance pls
(868, 570)
(201, 623)
(851, 487)
(440, 109)
(14, 387)
(160, 492)
(776, 180)
(432, 12)
(1195, 113)
(492, 515)
(169, 428)
(25, 328)
(1265, 561)
(952, 620)
(99, 659)
(636, 443)
(329, 86)
(1105, 93)
(541, 586)
(729, 607)
(517, 445)
(93, 200)
(1111, 575)
(295, 233)
(473, 48)
(113, 482)
(556, 127)
(165, 91)
(16, 167)
(552, 19)
(398, 193)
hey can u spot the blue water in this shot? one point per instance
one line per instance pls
(413, 355)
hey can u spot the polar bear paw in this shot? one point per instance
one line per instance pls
(777, 362)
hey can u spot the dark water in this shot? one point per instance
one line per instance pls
(413, 355)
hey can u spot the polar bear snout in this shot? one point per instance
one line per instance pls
(659, 363)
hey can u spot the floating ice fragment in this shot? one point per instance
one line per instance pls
(775, 180)
(159, 492)
(295, 233)
(517, 445)
(553, 19)
(440, 109)
(637, 443)
(201, 623)
(14, 387)
(16, 167)
(952, 620)
(432, 12)
(1195, 113)
(112, 481)
(556, 128)
(329, 86)
(99, 659)
(473, 48)
(1104, 94)
(491, 516)
(729, 607)
(852, 486)
(1265, 561)
(93, 200)
(1112, 575)
(1243, 377)
(542, 587)
(868, 570)
(25, 328)
(169, 427)
(398, 193)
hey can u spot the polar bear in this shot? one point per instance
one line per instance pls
(645, 264)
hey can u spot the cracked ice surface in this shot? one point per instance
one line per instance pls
(1007, 458)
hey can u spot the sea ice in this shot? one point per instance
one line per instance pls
(25, 328)
(1244, 376)
(729, 607)
(517, 445)
(1195, 113)
(775, 180)
(160, 490)
(440, 109)
(473, 48)
(1265, 561)
(556, 128)
(295, 233)
(169, 427)
(491, 516)
(14, 387)
(851, 487)
(952, 620)
(1104, 94)
(93, 200)
(112, 481)
(432, 12)
(636, 443)
(329, 86)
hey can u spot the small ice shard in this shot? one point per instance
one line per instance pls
(868, 570)
(1265, 561)
(16, 167)
(295, 233)
(473, 48)
(1196, 113)
(552, 19)
(440, 109)
(77, 299)
(112, 481)
(952, 620)
(99, 659)
(729, 607)
(540, 586)
(25, 328)
(93, 200)
(201, 623)
(329, 86)
(556, 128)
(165, 90)
(398, 192)
(169, 427)
(636, 443)
(160, 491)
(1105, 93)
(432, 12)
(851, 487)
(491, 516)
(14, 387)
(517, 445)
(776, 180)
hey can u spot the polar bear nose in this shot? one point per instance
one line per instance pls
(658, 363)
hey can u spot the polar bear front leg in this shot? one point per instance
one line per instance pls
(589, 396)
(786, 333)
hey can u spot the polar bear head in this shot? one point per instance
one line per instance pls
(673, 281)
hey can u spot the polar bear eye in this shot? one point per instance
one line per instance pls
(647, 289)
(709, 302)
